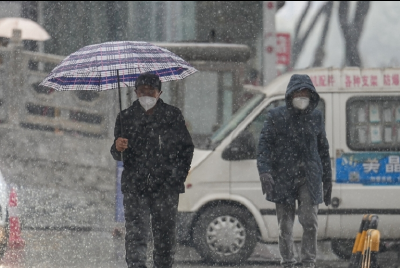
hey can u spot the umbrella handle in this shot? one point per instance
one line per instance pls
(120, 111)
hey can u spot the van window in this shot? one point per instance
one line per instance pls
(237, 118)
(255, 127)
(373, 123)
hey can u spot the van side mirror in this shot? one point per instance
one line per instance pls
(243, 147)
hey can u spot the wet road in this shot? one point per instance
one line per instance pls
(99, 249)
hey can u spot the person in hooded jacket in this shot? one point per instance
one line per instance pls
(156, 149)
(294, 164)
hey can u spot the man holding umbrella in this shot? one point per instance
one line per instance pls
(150, 136)
(157, 151)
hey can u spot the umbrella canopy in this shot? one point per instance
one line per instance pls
(30, 30)
(101, 66)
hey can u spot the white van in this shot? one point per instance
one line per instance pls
(224, 212)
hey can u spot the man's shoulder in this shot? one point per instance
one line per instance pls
(130, 109)
(278, 111)
(316, 114)
(170, 109)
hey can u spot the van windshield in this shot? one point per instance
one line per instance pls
(236, 119)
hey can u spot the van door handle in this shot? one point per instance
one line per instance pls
(335, 202)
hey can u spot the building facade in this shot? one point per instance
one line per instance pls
(66, 136)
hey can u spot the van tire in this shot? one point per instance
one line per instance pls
(238, 225)
(342, 248)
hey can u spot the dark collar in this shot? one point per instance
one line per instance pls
(139, 110)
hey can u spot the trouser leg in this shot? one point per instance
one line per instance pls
(137, 220)
(285, 214)
(309, 220)
(164, 211)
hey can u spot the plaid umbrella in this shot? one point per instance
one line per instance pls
(103, 66)
(100, 66)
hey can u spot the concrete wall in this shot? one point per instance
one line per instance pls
(59, 163)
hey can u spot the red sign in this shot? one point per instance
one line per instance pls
(283, 48)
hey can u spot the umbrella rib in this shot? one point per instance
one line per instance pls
(120, 67)
(102, 65)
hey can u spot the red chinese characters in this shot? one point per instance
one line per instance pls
(374, 80)
(371, 80)
(365, 80)
(322, 80)
(395, 79)
(386, 80)
(391, 80)
(356, 80)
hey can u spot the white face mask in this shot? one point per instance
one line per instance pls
(301, 102)
(147, 102)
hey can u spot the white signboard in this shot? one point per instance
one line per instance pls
(269, 42)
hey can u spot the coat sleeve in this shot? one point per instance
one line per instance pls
(266, 145)
(323, 151)
(117, 133)
(184, 148)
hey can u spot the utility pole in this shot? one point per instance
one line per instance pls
(40, 20)
(269, 41)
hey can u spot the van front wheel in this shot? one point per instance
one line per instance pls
(225, 234)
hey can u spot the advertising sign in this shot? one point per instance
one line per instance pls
(269, 42)
(374, 168)
(283, 48)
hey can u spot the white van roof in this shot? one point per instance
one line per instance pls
(349, 79)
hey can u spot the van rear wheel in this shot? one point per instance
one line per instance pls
(225, 234)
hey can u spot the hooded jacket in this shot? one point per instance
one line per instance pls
(293, 145)
(159, 152)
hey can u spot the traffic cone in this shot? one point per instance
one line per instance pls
(15, 240)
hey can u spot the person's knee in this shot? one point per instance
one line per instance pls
(308, 223)
(286, 226)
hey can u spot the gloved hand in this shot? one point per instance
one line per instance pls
(327, 193)
(267, 182)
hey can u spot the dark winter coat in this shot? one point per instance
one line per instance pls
(159, 152)
(293, 145)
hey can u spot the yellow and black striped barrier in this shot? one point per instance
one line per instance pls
(355, 258)
(369, 221)
(371, 249)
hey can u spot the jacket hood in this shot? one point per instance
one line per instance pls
(297, 82)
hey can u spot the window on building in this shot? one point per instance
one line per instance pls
(41, 110)
(85, 117)
(42, 89)
(373, 123)
(87, 95)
